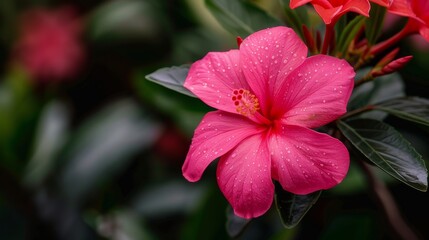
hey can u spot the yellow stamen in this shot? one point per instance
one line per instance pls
(246, 103)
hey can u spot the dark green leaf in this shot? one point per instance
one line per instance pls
(386, 148)
(103, 146)
(381, 89)
(413, 109)
(374, 23)
(292, 207)
(235, 225)
(349, 33)
(116, 21)
(296, 18)
(239, 17)
(172, 78)
(51, 135)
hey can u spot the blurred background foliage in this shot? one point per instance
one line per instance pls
(96, 152)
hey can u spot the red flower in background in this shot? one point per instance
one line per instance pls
(331, 10)
(48, 46)
(418, 13)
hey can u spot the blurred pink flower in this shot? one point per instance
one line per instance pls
(268, 96)
(49, 45)
(418, 13)
(331, 10)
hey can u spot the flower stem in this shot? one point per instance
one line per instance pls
(388, 205)
(380, 47)
(358, 111)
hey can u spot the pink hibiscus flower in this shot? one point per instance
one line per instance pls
(49, 47)
(331, 10)
(417, 11)
(268, 96)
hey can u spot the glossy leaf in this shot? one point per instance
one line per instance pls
(292, 207)
(51, 136)
(172, 78)
(103, 146)
(239, 17)
(374, 24)
(381, 89)
(348, 33)
(386, 148)
(413, 109)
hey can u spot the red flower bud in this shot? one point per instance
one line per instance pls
(392, 66)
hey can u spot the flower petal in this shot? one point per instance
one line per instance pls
(217, 133)
(267, 57)
(214, 78)
(296, 3)
(315, 93)
(244, 177)
(328, 15)
(304, 161)
(402, 7)
(331, 11)
(383, 3)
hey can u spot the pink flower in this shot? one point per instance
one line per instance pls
(268, 96)
(331, 10)
(418, 13)
(49, 47)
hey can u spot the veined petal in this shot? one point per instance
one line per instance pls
(217, 133)
(402, 7)
(304, 161)
(244, 177)
(267, 57)
(328, 15)
(214, 78)
(359, 6)
(315, 93)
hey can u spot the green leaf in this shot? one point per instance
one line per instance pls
(349, 33)
(386, 148)
(116, 21)
(103, 146)
(50, 138)
(413, 109)
(292, 207)
(239, 17)
(295, 17)
(381, 89)
(172, 78)
(374, 23)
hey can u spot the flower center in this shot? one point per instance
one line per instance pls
(246, 103)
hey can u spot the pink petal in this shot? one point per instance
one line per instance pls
(384, 3)
(214, 78)
(329, 15)
(244, 177)
(424, 32)
(217, 133)
(359, 6)
(402, 7)
(267, 57)
(296, 3)
(316, 93)
(304, 161)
